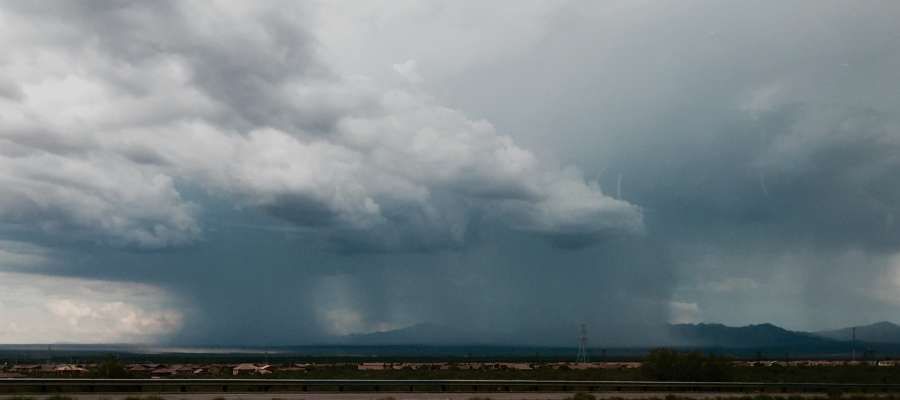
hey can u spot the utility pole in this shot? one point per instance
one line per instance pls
(853, 344)
(582, 356)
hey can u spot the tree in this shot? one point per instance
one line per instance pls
(670, 365)
(111, 368)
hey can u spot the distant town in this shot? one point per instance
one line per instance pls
(215, 370)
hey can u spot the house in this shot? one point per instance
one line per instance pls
(244, 369)
(251, 369)
(163, 372)
(25, 368)
(69, 369)
(47, 368)
(370, 366)
(296, 367)
(138, 368)
(183, 369)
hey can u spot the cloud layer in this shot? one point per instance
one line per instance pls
(356, 168)
(105, 124)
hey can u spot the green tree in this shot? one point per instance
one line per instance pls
(111, 368)
(670, 365)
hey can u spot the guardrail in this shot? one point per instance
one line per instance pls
(30, 385)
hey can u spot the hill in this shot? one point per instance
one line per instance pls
(750, 336)
(879, 332)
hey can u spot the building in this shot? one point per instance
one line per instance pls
(251, 369)
(69, 369)
(370, 366)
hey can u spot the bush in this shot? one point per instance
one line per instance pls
(670, 365)
(110, 368)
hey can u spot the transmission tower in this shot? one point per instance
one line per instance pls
(582, 356)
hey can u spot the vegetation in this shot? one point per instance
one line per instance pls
(658, 365)
(110, 368)
(670, 365)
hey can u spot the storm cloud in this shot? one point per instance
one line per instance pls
(349, 169)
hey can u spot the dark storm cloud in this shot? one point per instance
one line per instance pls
(243, 67)
(811, 173)
(150, 140)
(234, 99)
(759, 140)
(284, 198)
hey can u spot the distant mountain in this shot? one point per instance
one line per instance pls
(419, 334)
(879, 332)
(702, 335)
(751, 336)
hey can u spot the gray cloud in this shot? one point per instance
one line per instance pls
(233, 99)
(758, 139)
(177, 128)
(337, 167)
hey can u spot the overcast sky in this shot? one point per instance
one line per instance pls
(229, 172)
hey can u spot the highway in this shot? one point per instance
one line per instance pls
(269, 387)
(396, 396)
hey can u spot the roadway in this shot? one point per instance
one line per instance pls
(351, 389)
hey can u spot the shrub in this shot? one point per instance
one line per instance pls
(110, 368)
(670, 365)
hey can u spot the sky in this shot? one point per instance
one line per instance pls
(262, 173)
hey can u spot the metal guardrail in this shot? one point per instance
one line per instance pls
(23, 385)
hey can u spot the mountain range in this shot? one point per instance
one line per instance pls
(884, 336)
(879, 332)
